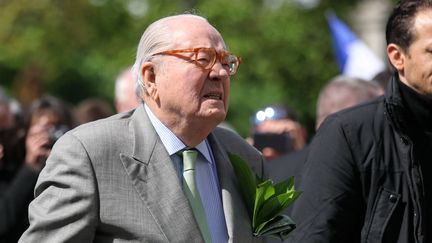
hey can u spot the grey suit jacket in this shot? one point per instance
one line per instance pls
(113, 181)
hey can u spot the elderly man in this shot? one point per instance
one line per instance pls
(122, 179)
(367, 174)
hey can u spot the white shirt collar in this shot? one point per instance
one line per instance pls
(170, 141)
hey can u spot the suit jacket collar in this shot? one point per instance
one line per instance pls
(236, 215)
(151, 171)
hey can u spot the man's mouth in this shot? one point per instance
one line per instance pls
(213, 96)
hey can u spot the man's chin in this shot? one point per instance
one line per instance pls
(216, 115)
(219, 116)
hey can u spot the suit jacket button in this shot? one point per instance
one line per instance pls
(392, 198)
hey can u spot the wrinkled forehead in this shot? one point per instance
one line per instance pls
(194, 31)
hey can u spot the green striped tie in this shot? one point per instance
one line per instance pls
(191, 190)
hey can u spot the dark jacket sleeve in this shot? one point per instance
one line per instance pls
(14, 201)
(331, 207)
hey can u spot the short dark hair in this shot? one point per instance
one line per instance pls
(399, 29)
(55, 105)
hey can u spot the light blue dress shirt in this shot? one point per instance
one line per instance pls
(206, 177)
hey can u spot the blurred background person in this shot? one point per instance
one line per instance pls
(12, 173)
(6, 117)
(6, 122)
(48, 119)
(340, 93)
(11, 140)
(383, 77)
(276, 131)
(92, 109)
(343, 92)
(126, 91)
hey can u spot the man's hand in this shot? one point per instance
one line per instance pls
(38, 146)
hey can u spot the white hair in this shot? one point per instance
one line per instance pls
(156, 38)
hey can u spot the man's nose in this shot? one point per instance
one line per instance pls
(218, 72)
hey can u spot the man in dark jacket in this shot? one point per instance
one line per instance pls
(366, 176)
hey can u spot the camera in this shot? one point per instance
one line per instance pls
(56, 132)
(280, 142)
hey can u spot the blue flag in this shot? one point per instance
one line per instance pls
(354, 57)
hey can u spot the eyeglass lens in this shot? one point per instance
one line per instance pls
(207, 58)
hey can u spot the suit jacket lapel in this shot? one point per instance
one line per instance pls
(155, 179)
(236, 215)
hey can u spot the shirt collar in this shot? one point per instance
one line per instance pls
(171, 142)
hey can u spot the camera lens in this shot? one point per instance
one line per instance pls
(56, 132)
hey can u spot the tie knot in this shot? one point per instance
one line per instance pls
(189, 159)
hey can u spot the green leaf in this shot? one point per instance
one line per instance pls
(265, 201)
(279, 227)
(264, 191)
(285, 186)
(246, 180)
(274, 206)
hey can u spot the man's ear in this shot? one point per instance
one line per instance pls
(149, 78)
(397, 57)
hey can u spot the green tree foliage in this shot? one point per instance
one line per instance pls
(78, 47)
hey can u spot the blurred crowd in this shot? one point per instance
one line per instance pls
(27, 135)
(282, 137)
